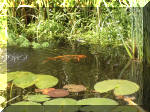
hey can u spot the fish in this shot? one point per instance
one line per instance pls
(65, 58)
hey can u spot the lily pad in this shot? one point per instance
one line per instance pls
(26, 103)
(97, 101)
(46, 81)
(37, 98)
(125, 109)
(12, 75)
(75, 88)
(61, 105)
(61, 101)
(25, 79)
(101, 108)
(120, 87)
(58, 93)
(2, 99)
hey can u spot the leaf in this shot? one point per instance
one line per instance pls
(61, 101)
(12, 75)
(37, 98)
(61, 105)
(97, 101)
(26, 103)
(58, 93)
(46, 81)
(2, 100)
(94, 108)
(125, 109)
(75, 88)
(120, 87)
(25, 79)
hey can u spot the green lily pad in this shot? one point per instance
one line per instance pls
(25, 79)
(125, 109)
(61, 101)
(45, 81)
(12, 75)
(26, 103)
(2, 99)
(120, 87)
(61, 105)
(101, 108)
(97, 101)
(37, 98)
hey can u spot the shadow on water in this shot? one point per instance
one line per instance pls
(97, 66)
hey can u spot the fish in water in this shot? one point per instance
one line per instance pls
(65, 58)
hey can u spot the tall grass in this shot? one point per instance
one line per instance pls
(99, 28)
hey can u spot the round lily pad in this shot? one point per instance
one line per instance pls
(26, 103)
(25, 79)
(61, 101)
(58, 93)
(12, 75)
(120, 87)
(97, 101)
(2, 99)
(45, 81)
(75, 88)
(37, 98)
(61, 105)
(125, 109)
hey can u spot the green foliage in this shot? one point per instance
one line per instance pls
(97, 101)
(36, 98)
(26, 79)
(120, 87)
(61, 101)
(26, 103)
(45, 81)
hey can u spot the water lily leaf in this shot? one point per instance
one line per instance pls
(94, 108)
(2, 99)
(58, 93)
(120, 87)
(97, 101)
(12, 75)
(26, 103)
(46, 81)
(61, 105)
(25, 79)
(125, 109)
(37, 98)
(75, 88)
(61, 101)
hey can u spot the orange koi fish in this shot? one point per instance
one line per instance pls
(65, 58)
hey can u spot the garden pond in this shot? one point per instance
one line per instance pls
(83, 66)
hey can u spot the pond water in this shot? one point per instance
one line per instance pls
(97, 66)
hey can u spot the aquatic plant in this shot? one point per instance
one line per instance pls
(120, 87)
(58, 93)
(26, 79)
(36, 98)
(75, 88)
